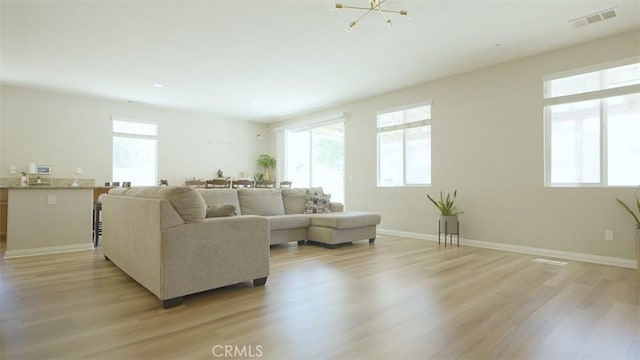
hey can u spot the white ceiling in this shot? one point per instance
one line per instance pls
(269, 60)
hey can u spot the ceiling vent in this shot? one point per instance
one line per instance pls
(594, 18)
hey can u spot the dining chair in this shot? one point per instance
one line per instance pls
(243, 183)
(194, 183)
(265, 184)
(217, 184)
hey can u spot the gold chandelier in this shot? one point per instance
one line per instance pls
(374, 5)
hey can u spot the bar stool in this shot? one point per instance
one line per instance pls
(97, 224)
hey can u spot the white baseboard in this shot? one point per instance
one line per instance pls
(9, 254)
(596, 259)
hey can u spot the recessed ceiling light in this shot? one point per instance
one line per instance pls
(254, 103)
(158, 85)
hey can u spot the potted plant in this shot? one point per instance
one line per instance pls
(266, 162)
(448, 213)
(635, 217)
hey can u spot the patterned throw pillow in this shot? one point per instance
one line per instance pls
(317, 203)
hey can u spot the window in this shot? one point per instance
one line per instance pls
(592, 127)
(315, 157)
(404, 146)
(135, 151)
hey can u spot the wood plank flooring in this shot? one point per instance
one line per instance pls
(396, 299)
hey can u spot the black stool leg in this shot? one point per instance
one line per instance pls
(96, 223)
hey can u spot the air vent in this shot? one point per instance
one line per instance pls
(608, 14)
(594, 18)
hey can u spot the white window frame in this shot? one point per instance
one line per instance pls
(304, 125)
(135, 136)
(600, 95)
(404, 126)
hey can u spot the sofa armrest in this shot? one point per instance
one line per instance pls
(214, 253)
(131, 233)
(336, 207)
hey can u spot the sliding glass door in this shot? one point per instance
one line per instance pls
(315, 157)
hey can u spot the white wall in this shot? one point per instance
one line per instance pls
(487, 136)
(71, 131)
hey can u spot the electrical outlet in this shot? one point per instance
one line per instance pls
(51, 199)
(608, 235)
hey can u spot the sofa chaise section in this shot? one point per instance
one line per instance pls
(333, 229)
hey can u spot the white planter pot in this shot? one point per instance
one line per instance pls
(449, 224)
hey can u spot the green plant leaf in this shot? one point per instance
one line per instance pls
(446, 203)
(635, 217)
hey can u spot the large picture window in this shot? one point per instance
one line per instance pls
(592, 127)
(135, 151)
(404, 146)
(315, 157)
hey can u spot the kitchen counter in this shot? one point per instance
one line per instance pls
(49, 219)
(52, 187)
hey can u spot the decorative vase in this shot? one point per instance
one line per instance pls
(266, 175)
(449, 224)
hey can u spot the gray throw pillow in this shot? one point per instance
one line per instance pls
(221, 211)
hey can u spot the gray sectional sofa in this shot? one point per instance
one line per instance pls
(177, 241)
(284, 209)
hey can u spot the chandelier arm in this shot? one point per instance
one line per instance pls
(401, 12)
(355, 7)
(342, 6)
(386, 19)
(361, 16)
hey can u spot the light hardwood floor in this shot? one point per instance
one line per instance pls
(398, 298)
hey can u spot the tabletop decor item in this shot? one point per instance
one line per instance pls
(266, 162)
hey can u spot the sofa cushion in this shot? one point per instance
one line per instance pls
(346, 220)
(317, 203)
(284, 222)
(294, 200)
(221, 197)
(221, 210)
(264, 202)
(118, 191)
(187, 202)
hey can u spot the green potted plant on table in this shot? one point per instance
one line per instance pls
(266, 162)
(448, 213)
